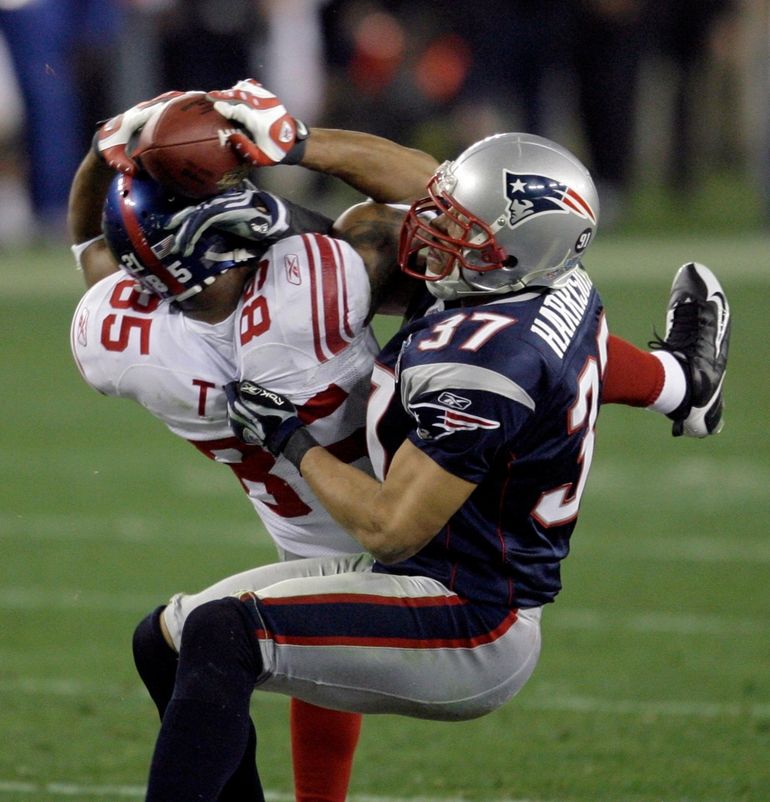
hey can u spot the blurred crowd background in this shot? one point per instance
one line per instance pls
(645, 92)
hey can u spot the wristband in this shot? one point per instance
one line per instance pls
(79, 249)
(296, 154)
(298, 445)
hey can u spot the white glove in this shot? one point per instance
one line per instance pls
(275, 137)
(113, 136)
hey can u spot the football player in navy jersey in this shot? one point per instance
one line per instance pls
(481, 429)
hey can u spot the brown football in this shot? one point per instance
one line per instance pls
(185, 148)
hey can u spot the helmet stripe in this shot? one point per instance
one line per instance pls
(139, 242)
(582, 207)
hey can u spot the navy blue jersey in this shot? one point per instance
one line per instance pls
(504, 394)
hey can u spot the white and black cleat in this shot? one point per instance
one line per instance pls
(698, 335)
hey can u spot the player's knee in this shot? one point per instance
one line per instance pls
(154, 659)
(148, 642)
(218, 647)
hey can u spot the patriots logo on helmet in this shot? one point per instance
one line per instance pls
(537, 194)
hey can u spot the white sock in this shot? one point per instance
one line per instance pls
(674, 385)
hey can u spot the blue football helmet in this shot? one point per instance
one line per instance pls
(134, 221)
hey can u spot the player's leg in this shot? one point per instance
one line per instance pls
(367, 642)
(373, 642)
(156, 662)
(178, 754)
(323, 743)
(205, 731)
(637, 378)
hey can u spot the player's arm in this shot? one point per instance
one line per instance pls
(378, 168)
(92, 180)
(393, 519)
(84, 218)
(373, 230)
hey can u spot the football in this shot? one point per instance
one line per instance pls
(185, 148)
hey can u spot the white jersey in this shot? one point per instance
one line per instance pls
(299, 329)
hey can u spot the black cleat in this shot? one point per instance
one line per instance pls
(698, 335)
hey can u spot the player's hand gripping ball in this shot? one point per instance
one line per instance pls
(186, 148)
(272, 135)
(113, 137)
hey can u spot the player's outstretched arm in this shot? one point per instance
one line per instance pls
(84, 219)
(377, 167)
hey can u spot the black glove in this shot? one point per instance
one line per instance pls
(244, 210)
(260, 417)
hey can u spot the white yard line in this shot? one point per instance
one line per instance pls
(137, 792)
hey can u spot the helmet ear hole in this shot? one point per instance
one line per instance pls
(510, 261)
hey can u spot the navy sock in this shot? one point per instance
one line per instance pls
(155, 660)
(202, 748)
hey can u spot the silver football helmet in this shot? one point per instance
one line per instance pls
(512, 211)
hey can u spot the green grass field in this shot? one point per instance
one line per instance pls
(654, 683)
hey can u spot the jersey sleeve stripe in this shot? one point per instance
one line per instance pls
(459, 376)
(344, 288)
(142, 247)
(326, 297)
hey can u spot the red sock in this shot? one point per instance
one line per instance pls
(633, 377)
(322, 744)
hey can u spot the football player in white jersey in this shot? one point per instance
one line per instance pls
(295, 312)
(320, 279)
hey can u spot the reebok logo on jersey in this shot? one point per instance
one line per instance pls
(291, 264)
(82, 328)
(454, 401)
(436, 421)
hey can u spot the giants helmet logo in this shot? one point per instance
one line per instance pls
(536, 194)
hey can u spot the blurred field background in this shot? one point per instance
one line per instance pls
(654, 683)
